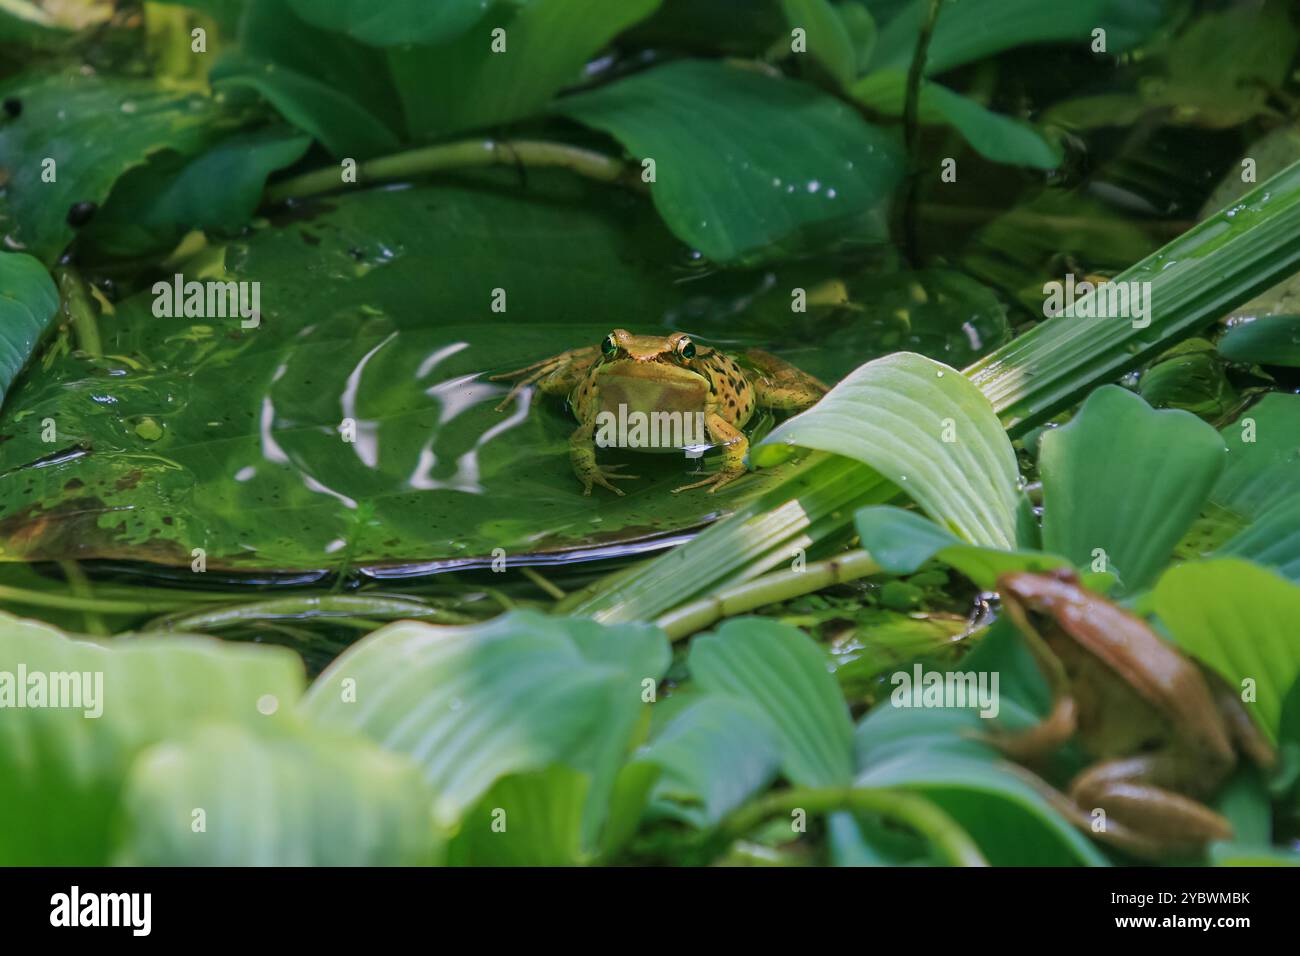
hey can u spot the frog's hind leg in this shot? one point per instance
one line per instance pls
(780, 386)
(582, 455)
(735, 446)
(558, 374)
(1141, 816)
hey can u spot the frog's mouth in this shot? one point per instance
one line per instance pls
(648, 387)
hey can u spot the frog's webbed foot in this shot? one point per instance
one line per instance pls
(1142, 817)
(582, 455)
(603, 477)
(734, 448)
(558, 374)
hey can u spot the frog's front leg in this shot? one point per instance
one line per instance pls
(1142, 816)
(781, 386)
(735, 446)
(582, 455)
(558, 374)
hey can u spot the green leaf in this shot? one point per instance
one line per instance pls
(548, 44)
(1263, 467)
(971, 30)
(748, 166)
(94, 129)
(28, 303)
(1126, 479)
(992, 135)
(1271, 540)
(153, 206)
(1240, 620)
(62, 772)
(474, 704)
(1263, 340)
(827, 37)
(778, 669)
(527, 819)
(902, 541)
(927, 429)
(307, 799)
(393, 22)
(715, 755)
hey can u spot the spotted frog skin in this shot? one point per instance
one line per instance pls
(652, 373)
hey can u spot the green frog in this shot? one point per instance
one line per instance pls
(652, 376)
(1164, 731)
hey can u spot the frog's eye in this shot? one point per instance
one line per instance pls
(609, 346)
(686, 348)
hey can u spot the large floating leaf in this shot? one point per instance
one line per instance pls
(308, 799)
(548, 42)
(1272, 540)
(1263, 467)
(93, 130)
(527, 819)
(471, 705)
(1241, 620)
(61, 772)
(376, 307)
(1266, 340)
(1125, 479)
(747, 166)
(393, 22)
(927, 429)
(28, 303)
(780, 670)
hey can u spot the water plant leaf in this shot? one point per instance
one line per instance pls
(548, 44)
(999, 138)
(902, 541)
(303, 799)
(474, 704)
(28, 303)
(1271, 540)
(826, 35)
(61, 772)
(778, 669)
(1123, 482)
(394, 22)
(748, 167)
(527, 819)
(924, 427)
(1263, 463)
(1264, 340)
(92, 130)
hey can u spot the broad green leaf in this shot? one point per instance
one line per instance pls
(1239, 619)
(748, 167)
(902, 541)
(153, 206)
(28, 303)
(375, 307)
(970, 30)
(393, 22)
(1271, 540)
(1263, 340)
(927, 429)
(715, 755)
(826, 37)
(861, 28)
(992, 135)
(778, 669)
(527, 819)
(302, 799)
(548, 44)
(471, 705)
(92, 129)
(931, 752)
(1263, 467)
(1127, 480)
(62, 772)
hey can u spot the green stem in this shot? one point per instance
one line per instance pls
(912, 129)
(80, 587)
(79, 310)
(914, 811)
(73, 603)
(298, 608)
(461, 155)
(769, 589)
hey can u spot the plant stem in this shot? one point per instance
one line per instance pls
(912, 129)
(73, 603)
(769, 589)
(542, 583)
(80, 587)
(296, 608)
(461, 155)
(79, 310)
(914, 811)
